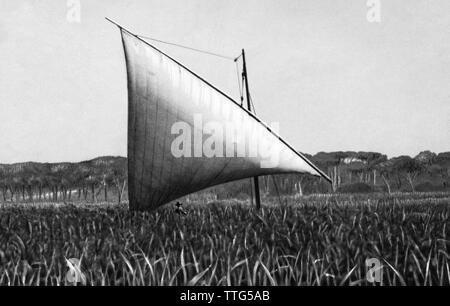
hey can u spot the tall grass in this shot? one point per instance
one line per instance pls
(309, 241)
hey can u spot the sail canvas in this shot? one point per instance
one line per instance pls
(185, 135)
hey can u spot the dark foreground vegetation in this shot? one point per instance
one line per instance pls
(305, 241)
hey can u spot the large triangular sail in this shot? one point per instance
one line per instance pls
(184, 135)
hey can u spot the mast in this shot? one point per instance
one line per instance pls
(249, 107)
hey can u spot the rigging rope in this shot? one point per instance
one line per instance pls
(235, 59)
(253, 106)
(240, 86)
(187, 47)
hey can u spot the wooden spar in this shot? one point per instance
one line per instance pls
(249, 107)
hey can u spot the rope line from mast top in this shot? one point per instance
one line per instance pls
(240, 86)
(187, 47)
(253, 106)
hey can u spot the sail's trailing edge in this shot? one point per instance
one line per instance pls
(165, 98)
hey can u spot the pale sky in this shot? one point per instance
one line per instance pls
(332, 79)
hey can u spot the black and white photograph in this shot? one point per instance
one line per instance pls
(224, 149)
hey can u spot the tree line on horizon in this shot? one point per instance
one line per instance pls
(105, 178)
(427, 171)
(92, 180)
(356, 172)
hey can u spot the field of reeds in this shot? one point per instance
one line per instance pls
(314, 240)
